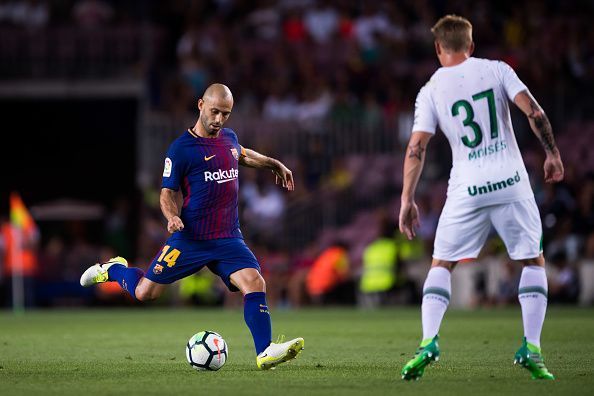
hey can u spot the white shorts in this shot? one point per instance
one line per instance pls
(462, 232)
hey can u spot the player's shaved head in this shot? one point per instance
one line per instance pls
(215, 107)
(217, 91)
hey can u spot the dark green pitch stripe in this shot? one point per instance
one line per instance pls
(437, 290)
(533, 289)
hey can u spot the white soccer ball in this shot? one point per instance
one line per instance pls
(207, 350)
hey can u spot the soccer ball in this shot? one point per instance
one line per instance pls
(207, 350)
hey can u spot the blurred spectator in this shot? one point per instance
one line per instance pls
(265, 20)
(117, 230)
(371, 25)
(279, 104)
(321, 21)
(275, 269)
(5, 11)
(296, 288)
(201, 288)
(92, 14)
(264, 205)
(507, 290)
(32, 14)
(586, 272)
(328, 279)
(51, 258)
(315, 105)
(380, 260)
(372, 113)
(293, 27)
(344, 107)
(563, 281)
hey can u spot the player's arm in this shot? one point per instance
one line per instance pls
(253, 159)
(169, 201)
(539, 122)
(413, 166)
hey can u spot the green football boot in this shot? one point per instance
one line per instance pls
(426, 353)
(529, 357)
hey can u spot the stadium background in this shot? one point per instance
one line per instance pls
(92, 92)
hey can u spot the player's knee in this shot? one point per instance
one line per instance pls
(257, 283)
(248, 281)
(142, 295)
(449, 265)
(536, 261)
(145, 294)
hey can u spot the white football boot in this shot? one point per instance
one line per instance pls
(279, 353)
(98, 273)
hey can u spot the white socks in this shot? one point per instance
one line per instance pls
(436, 297)
(532, 293)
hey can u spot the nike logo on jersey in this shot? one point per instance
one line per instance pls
(209, 158)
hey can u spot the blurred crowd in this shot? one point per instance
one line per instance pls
(337, 71)
(308, 59)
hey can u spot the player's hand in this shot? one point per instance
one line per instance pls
(553, 169)
(175, 224)
(409, 219)
(283, 175)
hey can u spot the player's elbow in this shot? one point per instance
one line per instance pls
(167, 195)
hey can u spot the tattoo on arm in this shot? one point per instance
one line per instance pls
(543, 126)
(416, 151)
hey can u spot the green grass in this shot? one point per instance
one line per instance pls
(347, 352)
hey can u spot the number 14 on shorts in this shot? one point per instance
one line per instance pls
(169, 256)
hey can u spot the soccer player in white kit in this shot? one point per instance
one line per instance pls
(468, 98)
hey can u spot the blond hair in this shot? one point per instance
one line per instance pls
(453, 33)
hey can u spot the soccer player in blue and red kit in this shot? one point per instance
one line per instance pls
(201, 170)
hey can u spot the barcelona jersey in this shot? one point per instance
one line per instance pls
(207, 171)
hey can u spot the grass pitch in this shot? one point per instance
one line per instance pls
(347, 352)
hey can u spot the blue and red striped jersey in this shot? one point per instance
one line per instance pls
(207, 171)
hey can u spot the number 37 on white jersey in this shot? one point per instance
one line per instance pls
(470, 104)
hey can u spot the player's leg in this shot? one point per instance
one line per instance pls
(131, 280)
(257, 317)
(436, 297)
(239, 269)
(114, 270)
(168, 266)
(255, 309)
(518, 224)
(461, 233)
(147, 290)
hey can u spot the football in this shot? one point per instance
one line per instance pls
(207, 350)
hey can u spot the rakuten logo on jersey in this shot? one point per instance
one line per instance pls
(221, 176)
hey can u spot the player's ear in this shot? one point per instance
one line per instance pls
(437, 48)
(200, 104)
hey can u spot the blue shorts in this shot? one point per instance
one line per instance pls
(180, 258)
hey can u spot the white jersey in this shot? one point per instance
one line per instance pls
(470, 103)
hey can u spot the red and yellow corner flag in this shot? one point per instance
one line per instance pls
(20, 218)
